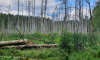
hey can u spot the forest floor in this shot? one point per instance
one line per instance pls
(54, 53)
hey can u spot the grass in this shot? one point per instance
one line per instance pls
(51, 38)
(54, 54)
(33, 54)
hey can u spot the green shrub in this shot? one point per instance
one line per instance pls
(66, 39)
(65, 43)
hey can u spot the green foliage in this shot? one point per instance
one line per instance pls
(65, 43)
(35, 54)
(92, 39)
(96, 16)
(5, 58)
(66, 51)
(69, 40)
(66, 39)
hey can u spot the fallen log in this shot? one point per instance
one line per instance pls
(13, 42)
(32, 46)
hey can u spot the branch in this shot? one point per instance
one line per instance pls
(31, 37)
(20, 33)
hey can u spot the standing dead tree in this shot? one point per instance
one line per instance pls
(26, 17)
(18, 16)
(90, 22)
(8, 19)
(42, 16)
(55, 17)
(22, 9)
(22, 28)
(65, 2)
(34, 17)
(45, 21)
(29, 22)
(78, 15)
(43, 13)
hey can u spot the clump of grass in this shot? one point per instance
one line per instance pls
(40, 54)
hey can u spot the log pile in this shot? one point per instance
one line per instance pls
(23, 44)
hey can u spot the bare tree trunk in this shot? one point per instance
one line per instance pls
(22, 28)
(59, 20)
(65, 13)
(29, 16)
(45, 21)
(32, 27)
(34, 18)
(91, 29)
(8, 19)
(42, 17)
(26, 27)
(62, 17)
(76, 28)
(18, 16)
(80, 15)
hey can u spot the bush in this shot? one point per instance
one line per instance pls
(66, 40)
(65, 43)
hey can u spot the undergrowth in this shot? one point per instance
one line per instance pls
(68, 49)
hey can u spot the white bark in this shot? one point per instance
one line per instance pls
(8, 18)
(18, 16)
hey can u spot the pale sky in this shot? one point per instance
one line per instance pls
(50, 6)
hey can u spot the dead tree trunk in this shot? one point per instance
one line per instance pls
(26, 27)
(34, 18)
(29, 16)
(18, 16)
(45, 22)
(65, 12)
(80, 16)
(8, 19)
(91, 29)
(22, 28)
(42, 17)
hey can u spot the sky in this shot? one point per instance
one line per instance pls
(50, 7)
